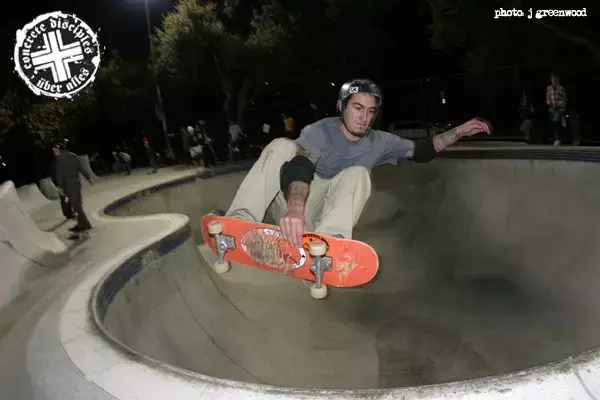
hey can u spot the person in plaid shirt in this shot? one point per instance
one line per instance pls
(556, 99)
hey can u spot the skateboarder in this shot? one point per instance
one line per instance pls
(321, 181)
(65, 206)
(68, 168)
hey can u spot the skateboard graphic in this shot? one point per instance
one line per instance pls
(322, 259)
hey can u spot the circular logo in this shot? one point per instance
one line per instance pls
(57, 55)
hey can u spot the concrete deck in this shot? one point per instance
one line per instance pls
(33, 362)
(487, 269)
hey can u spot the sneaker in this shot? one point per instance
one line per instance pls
(557, 142)
(78, 228)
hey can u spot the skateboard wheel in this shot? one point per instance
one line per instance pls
(318, 293)
(215, 227)
(221, 267)
(317, 248)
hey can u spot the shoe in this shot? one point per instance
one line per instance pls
(218, 212)
(557, 142)
(78, 228)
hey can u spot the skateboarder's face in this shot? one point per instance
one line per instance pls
(359, 113)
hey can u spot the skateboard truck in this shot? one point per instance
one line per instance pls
(319, 265)
(222, 244)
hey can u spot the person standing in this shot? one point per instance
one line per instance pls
(235, 134)
(185, 145)
(65, 206)
(289, 127)
(208, 153)
(556, 99)
(527, 113)
(150, 154)
(68, 170)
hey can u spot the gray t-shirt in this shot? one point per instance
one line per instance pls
(331, 151)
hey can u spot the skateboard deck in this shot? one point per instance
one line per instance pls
(259, 245)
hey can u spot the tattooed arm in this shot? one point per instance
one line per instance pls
(469, 128)
(293, 223)
(298, 191)
(445, 140)
(313, 141)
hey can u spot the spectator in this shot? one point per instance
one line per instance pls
(556, 99)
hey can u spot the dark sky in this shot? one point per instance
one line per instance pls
(120, 23)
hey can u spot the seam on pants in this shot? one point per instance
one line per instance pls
(262, 169)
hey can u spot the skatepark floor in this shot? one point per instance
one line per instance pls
(486, 267)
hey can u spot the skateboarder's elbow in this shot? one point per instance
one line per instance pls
(424, 150)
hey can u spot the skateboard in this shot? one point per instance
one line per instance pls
(323, 259)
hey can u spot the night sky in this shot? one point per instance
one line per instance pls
(121, 25)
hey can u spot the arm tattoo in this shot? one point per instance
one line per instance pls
(298, 195)
(444, 140)
(298, 191)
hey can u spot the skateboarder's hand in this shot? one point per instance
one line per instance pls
(473, 127)
(292, 226)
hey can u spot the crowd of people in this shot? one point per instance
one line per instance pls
(201, 147)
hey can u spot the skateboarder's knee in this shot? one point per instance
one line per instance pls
(358, 171)
(356, 178)
(356, 174)
(282, 145)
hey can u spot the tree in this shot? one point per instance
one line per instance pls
(14, 105)
(123, 99)
(99, 113)
(469, 26)
(6, 116)
(238, 44)
(61, 118)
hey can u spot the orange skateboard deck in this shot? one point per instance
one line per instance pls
(258, 245)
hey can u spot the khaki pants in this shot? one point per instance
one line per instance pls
(333, 206)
